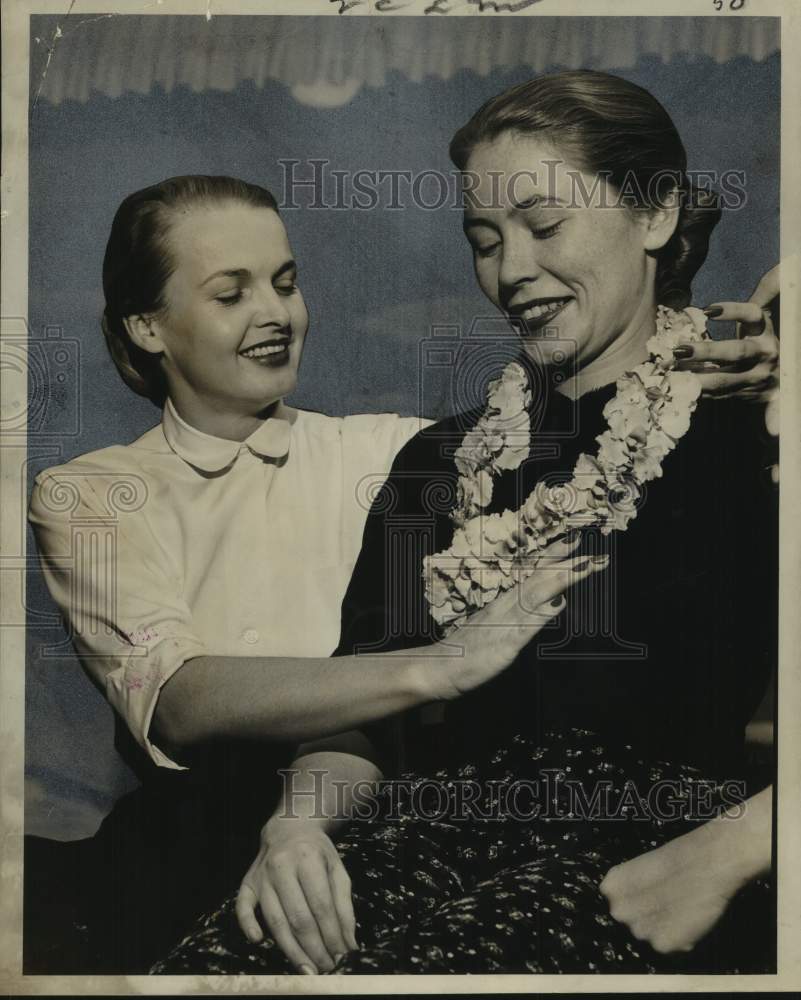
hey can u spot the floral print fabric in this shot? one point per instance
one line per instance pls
(437, 892)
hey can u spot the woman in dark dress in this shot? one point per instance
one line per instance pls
(620, 728)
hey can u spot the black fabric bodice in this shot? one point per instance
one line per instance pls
(670, 650)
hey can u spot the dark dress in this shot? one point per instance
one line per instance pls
(166, 854)
(645, 682)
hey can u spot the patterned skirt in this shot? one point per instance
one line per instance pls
(495, 867)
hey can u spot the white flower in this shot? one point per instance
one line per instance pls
(698, 320)
(647, 464)
(687, 326)
(684, 387)
(438, 584)
(588, 466)
(612, 452)
(499, 441)
(629, 423)
(659, 441)
(508, 395)
(463, 585)
(502, 536)
(630, 390)
(474, 492)
(674, 420)
(622, 505)
(512, 457)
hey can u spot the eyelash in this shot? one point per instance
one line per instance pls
(486, 251)
(547, 231)
(541, 234)
(231, 300)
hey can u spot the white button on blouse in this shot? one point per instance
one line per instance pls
(182, 544)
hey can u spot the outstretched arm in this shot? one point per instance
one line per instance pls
(295, 700)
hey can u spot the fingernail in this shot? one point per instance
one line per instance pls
(680, 353)
(556, 602)
(582, 565)
(307, 970)
(713, 311)
(599, 560)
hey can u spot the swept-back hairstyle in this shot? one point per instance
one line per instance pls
(138, 264)
(611, 127)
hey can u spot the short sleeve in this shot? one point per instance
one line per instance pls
(376, 438)
(120, 600)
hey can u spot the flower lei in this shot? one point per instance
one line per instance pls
(491, 553)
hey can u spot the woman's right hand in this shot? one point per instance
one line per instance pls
(300, 884)
(493, 637)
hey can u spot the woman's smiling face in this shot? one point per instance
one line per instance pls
(551, 259)
(234, 324)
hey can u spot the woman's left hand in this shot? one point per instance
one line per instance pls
(747, 366)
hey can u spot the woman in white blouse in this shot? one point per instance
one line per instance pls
(222, 540)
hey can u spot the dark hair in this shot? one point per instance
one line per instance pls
(613, 128)
(138, 264)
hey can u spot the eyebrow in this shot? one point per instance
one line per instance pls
(238, 272)
(472, 223)
(243, 272)
(535, 201)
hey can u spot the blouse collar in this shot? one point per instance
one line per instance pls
(213, 454)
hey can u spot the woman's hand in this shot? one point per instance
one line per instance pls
(747, 366)
(301, 886)
(766, 295)
(670, 897)
(673, 896)
(493, 637)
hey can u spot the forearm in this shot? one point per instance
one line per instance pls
(736, 845)
(298, 699)
(743, 835)
(353, 742)
(286, 699)
(321, 788)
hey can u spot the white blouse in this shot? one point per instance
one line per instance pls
(182, 544)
